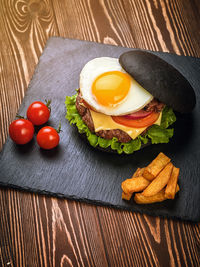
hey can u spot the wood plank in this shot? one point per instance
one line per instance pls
(99, 21)
(43, 231)
(165, 25)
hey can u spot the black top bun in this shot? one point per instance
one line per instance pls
(160, 78)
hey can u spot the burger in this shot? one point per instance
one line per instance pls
(126, 103)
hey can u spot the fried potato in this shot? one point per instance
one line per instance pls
(156, 166)
(159, 182)
(138, 172)
(126, 196)
(136, 184)
(170, 190)
(139, 198)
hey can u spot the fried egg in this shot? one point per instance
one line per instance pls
(109, 89)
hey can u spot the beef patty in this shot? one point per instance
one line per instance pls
(122, 136)
(107, 134)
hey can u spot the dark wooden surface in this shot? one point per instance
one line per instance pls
(42, 231)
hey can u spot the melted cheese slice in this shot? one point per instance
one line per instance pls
(105, 122)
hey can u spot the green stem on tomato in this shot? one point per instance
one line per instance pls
(59, 128)
(48, 104)
(19, 116)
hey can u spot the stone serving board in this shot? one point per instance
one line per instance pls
(74, 170)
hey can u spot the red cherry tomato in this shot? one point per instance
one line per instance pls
(38, 113)
(21, 131)
(48, 138)
(137, 123)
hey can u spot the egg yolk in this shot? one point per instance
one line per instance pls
(110, 88)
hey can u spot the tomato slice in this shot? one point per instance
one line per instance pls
(137, 123)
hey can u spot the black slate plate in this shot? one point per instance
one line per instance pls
(77, 171)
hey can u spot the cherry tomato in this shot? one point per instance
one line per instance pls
(47, 137)
(137, 123)
(21, 131)
(38, 113)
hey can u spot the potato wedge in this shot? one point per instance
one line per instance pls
(159, 182)
(136, 184)
(126, 196)
(170, 190)
(159, 197)
(138, 172)
(139, 198)
(156, 166)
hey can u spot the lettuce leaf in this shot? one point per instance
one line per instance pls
(168, 117)
(155, 134)
(158, 134)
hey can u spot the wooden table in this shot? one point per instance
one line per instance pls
(42, 231)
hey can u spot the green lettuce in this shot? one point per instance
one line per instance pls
(168, 117)
(158, 134)
(155, 134)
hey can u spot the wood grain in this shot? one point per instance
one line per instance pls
(42, 231)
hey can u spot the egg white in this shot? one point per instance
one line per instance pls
(136, 98)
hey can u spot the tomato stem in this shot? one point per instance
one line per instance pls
(19, 116)
(48, 104)
(59, 128)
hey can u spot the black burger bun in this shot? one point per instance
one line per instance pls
(160, 79)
